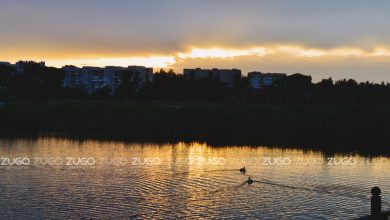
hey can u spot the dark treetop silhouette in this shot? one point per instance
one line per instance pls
(291, 110)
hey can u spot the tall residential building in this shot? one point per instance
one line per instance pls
(94, 78)
(113, 76)
(72, 77)
(225, 76)
(141, 74)
(22, 65)
(258, 80)
(197, 73)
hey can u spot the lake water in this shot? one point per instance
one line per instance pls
(55, 178)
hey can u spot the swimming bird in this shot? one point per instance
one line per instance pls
(243, 170)
(250, 181)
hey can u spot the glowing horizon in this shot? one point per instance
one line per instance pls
(210, 57)
(227, 53)
(323, 39)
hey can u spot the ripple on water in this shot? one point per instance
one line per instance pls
(172, 191)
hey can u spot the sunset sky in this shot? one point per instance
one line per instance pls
(332, 38)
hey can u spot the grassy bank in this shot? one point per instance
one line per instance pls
(213, 123)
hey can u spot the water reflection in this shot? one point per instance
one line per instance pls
(93, 179)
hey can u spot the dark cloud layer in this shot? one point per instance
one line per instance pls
(74, 28)
(170, 25)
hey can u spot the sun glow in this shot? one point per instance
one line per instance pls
(290, 50)
(222, 53)
(152, 61)
(279, 52)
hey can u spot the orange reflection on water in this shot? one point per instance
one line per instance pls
(190, 180)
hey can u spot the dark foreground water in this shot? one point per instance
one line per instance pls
(52, 178)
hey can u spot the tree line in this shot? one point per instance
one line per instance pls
(42, 83)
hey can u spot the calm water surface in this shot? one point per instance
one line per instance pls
(52, 178)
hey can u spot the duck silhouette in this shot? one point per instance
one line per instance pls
(250, 181)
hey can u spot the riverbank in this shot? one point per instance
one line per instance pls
(358, 127)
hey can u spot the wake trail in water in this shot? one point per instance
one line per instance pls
(348, 194)
(206, 171)
(174, 173)
(230, 187)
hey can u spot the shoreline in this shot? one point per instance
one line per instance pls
(328, 148)
(328, 128)
(339, 127)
